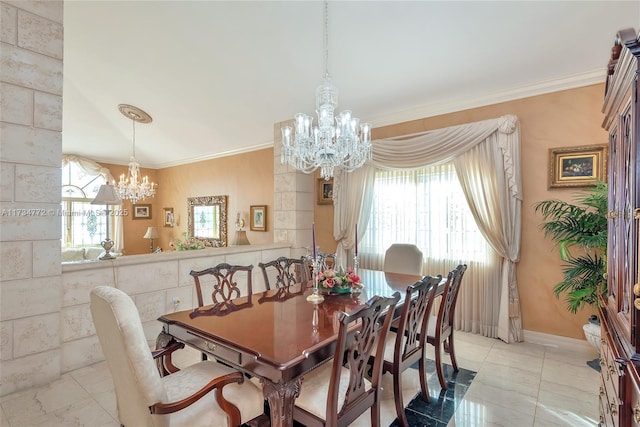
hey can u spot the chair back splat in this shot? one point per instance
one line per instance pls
(288, 271)
(225, 285)
(441, 331)
(338, 392)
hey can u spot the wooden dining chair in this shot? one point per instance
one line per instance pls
(440, 327)
(403, 258)
(225, 283)
(406, 346)
(288, 271)
(225, 289)
(207, 392)
(338, 392)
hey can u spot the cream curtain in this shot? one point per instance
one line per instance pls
(486, 156)
(92, 168)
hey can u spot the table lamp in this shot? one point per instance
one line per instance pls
(106, 196)
(152, 233)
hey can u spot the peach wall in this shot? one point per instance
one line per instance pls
(246, 178)
(560, 119)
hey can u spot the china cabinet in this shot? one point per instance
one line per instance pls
(620, 308)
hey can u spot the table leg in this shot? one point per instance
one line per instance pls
(281, 398)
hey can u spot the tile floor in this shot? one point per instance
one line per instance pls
(519, 385)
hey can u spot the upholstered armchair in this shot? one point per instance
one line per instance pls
(203, 394)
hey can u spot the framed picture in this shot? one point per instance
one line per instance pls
(168, 217)
(325, 192)
(258, 218)
(141, 211)
(577, 166)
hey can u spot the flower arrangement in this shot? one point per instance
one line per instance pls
(339, 281)
(188, 243)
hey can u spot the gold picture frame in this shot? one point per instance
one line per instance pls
(577, 166)
(258, 220)
(169, 219)
(325, 192)
(141, 211)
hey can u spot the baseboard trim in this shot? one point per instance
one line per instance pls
(554, 341)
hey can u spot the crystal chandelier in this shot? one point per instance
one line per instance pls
(134, 187)
(345, 144)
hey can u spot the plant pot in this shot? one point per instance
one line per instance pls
(592, 333)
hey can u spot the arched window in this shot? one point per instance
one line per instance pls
(84, 224)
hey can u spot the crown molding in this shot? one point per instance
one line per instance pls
(430, 110)
(526, 91)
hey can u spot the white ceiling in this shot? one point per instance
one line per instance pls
(215, 76)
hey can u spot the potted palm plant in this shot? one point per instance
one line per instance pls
(582, 228)
(580, 232)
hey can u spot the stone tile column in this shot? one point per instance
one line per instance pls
(31, 33)
(293, 201)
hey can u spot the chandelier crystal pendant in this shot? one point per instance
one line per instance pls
(336, 142)
(134, 187)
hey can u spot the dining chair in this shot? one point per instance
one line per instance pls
(406, 346)
(288, 271)
(403, 258)
(326, 260)
(224, 289)
(440, 327)
(338, 392)
(225, 283)
(184, 397)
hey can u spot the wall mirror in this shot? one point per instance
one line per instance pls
(207, 219)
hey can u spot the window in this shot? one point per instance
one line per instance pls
(425, 207)
(83, 224)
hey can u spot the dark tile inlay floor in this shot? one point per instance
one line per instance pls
(443, 403)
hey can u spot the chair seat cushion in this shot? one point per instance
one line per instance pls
(315, 390)
(206, 412)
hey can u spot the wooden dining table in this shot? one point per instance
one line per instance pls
(277, 336)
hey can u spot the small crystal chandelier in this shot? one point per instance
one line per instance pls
(134, 187)
(345, 144)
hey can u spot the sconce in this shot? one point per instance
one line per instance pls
(241, 235)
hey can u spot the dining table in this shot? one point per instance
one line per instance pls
(277, 335)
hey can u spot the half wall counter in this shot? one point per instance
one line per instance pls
(159, 283)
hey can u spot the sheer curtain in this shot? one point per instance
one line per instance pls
(93, 169)
(486, 157)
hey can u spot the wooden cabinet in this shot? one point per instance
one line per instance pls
(620, 311)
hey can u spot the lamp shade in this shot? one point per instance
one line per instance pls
(152, 233)
(241, 238)
(106, 196)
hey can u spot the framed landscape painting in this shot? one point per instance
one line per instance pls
(258, 218)
(577, 166)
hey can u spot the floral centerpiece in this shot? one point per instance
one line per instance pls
(339, 281)
(188, 243)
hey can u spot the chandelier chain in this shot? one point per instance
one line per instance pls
(326, 39)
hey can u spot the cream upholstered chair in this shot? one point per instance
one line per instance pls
(180, 399)
(440, 327)
(337, 393)
(403, 258)
(406, 346)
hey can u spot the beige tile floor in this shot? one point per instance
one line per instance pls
(516, 385)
